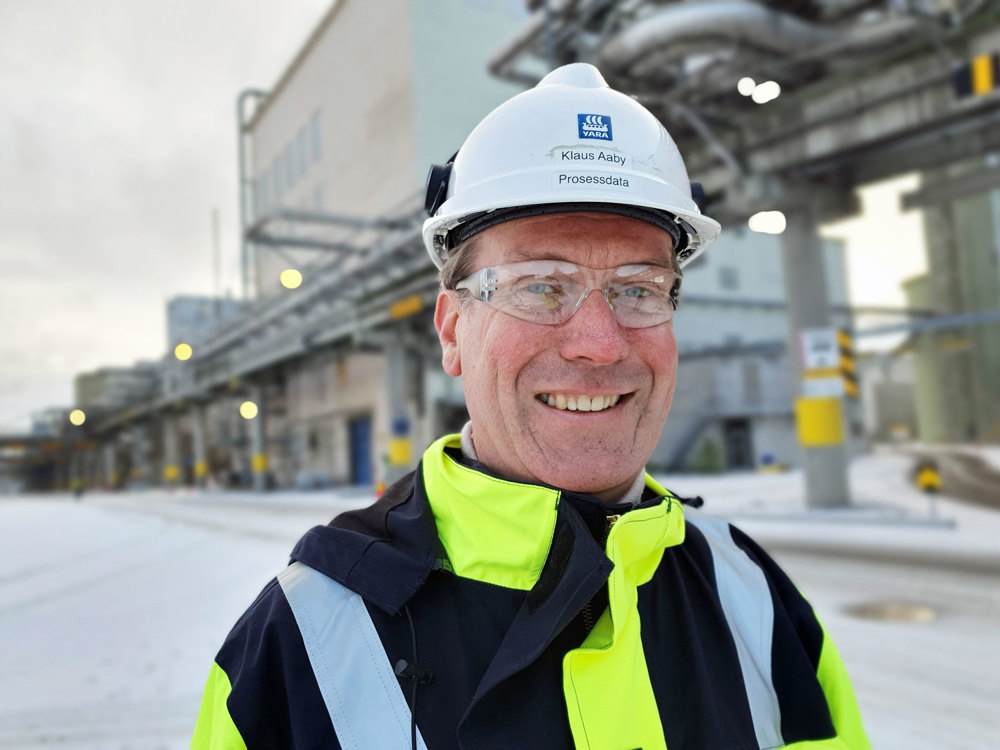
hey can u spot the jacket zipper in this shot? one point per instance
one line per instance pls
(588, 611)
(588, 617)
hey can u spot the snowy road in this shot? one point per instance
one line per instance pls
(111, 612)
(112, 609)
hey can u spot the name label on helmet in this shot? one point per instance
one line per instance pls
(610, 158)
(592, 180)
(594, 126)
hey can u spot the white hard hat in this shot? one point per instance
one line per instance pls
(569, 144)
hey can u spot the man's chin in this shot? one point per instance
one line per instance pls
(602, 476)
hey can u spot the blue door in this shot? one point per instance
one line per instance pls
(361, 450)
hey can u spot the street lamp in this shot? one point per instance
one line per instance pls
(767, 222)
(766, 92)
(183, 351)
(290, 278)
(77, 417)
(746, 85)
(248, 410)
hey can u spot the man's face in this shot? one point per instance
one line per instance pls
(507, 363)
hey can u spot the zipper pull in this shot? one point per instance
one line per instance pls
(611, 520)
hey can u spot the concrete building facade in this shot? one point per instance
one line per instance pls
(957, 370)
(328, 140)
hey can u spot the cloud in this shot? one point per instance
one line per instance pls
(118, 140)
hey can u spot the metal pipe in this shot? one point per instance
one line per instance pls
(241, 133)
(323, 217)
(703, 130)
(731, 20)
(499, 65)
(278, 241)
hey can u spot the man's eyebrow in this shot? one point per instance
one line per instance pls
(517, 255)
(521, 254)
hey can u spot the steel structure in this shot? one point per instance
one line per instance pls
(868, 91)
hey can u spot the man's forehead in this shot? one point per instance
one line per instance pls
(517, 255)
(583, 237)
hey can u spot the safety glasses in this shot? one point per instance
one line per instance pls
(551, 291)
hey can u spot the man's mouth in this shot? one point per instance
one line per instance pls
(580, 402)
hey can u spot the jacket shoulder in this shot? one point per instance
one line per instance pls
(263, 685)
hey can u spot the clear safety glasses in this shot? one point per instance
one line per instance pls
(551, 291)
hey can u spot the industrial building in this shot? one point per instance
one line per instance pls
(336, 370)
(957, 369)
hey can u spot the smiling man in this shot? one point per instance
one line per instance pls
(529, 585)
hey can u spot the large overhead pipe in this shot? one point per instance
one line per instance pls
(729, 20)
(749, 24)
(501, 65)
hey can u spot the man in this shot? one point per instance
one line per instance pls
(529, 586)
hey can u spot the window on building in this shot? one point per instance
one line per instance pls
(276, 174)
(319, 198)
(729, 277)
(263, 194)
(316, 134)
(301, 151)
(751, 382)
(289, 165)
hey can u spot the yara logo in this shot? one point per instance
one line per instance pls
(594, 126)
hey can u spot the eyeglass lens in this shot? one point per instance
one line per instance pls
(550, 292)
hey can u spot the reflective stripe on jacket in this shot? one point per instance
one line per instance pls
(703, 641)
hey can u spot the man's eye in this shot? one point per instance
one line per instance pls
(636, 291)
(542, 288)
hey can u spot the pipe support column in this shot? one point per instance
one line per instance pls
(824, 466)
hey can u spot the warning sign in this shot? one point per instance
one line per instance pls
(819, 349)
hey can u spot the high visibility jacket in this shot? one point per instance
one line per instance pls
(536, 618)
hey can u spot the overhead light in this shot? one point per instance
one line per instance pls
(77, 417)
(767, 222)
(766, 92)
(183, 351)
(746, 86)
(248, 410)
(290, 278)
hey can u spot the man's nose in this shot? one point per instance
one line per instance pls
(593, 333)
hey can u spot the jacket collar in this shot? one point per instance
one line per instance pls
(454, 515)
(491, 529)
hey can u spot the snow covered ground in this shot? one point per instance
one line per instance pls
(112, 609)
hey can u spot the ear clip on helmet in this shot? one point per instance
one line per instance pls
(437, 185)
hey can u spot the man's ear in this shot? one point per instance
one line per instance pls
(446, 315)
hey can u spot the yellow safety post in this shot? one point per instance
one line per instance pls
(820, 421)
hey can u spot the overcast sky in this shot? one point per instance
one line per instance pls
(117, 139)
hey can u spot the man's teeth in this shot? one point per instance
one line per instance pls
(579, 403)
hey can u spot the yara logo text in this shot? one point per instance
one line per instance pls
(594, 126)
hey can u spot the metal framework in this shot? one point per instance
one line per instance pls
(867, 93)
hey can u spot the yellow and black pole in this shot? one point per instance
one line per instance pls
(254, 411)
(819, 412)
(198, 444)
(848, 366)
(400, 445)
(829, 375)
(977, 77)
(171, 451)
